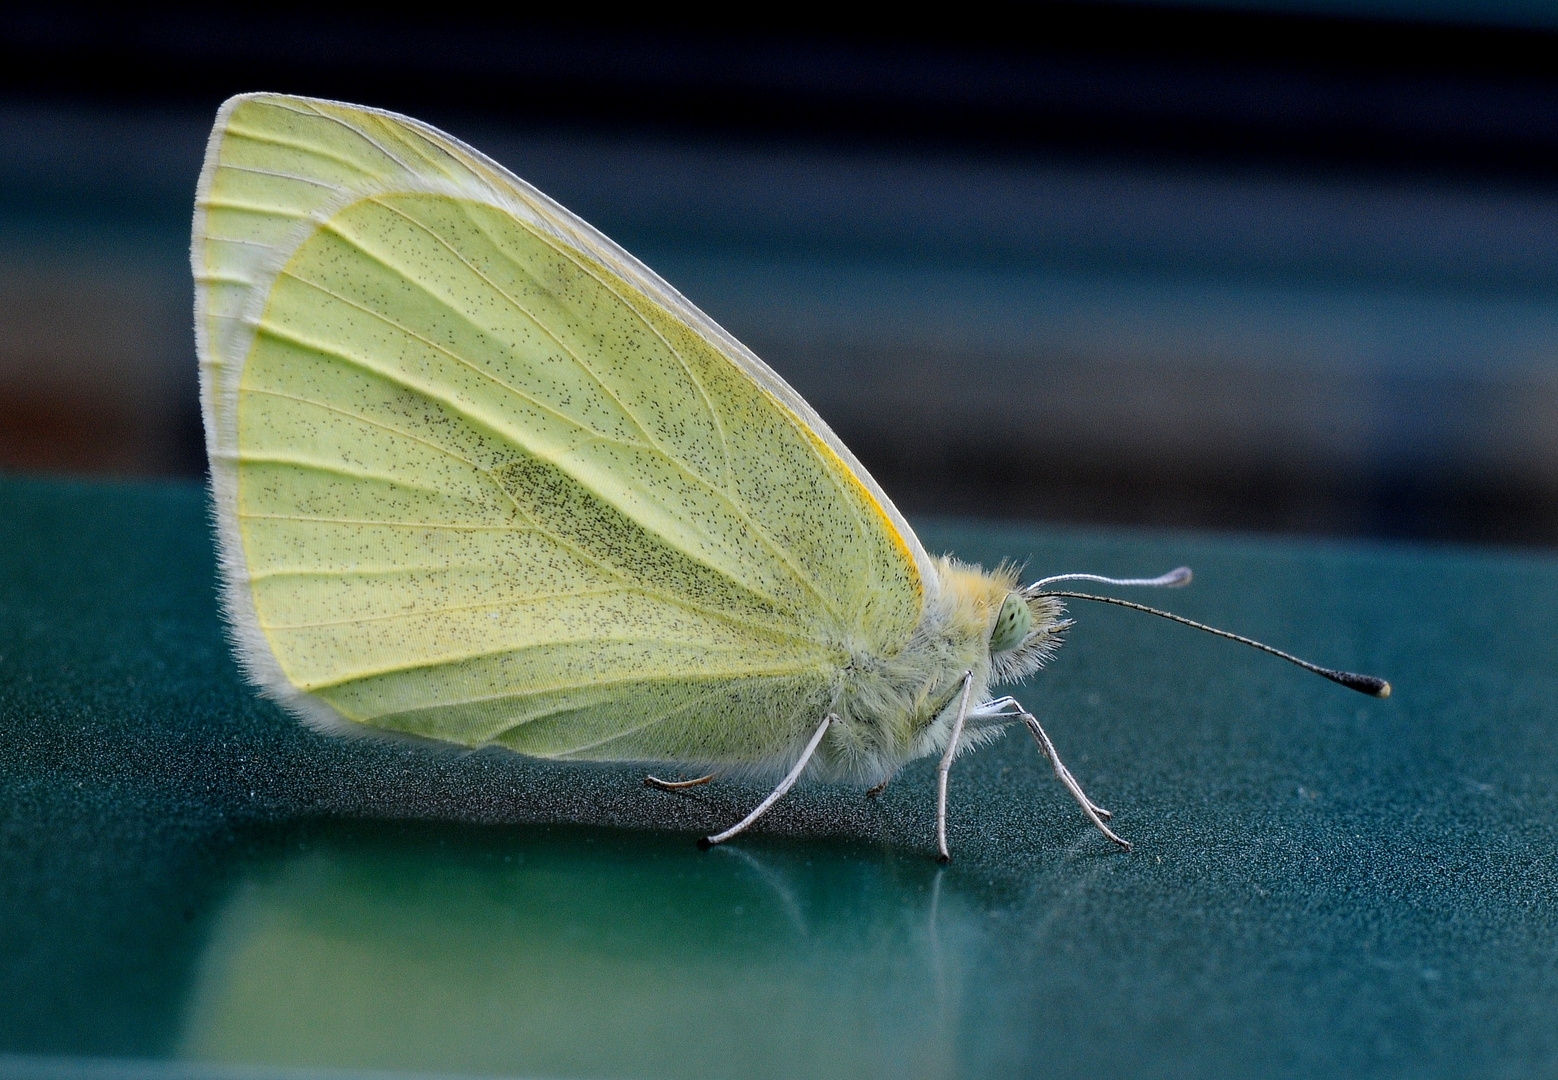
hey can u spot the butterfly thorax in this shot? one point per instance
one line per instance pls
(896, 708)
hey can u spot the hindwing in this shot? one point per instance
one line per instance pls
(480, 476)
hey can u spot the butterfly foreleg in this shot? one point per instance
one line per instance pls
(1091, 810)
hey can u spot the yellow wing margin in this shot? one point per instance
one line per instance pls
(481, 476)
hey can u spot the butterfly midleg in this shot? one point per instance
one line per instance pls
(1094, 813)
(778, 793)
(876, 789)
(946, 764)
(675, 785)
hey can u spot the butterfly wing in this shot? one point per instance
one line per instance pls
(480, 476)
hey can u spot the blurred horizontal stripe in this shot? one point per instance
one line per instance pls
(62, 1067)
(1046, 336)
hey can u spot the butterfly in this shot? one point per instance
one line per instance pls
(482, 477)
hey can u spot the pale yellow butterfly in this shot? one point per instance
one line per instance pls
(481, 477)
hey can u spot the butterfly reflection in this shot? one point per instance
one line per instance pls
(568, 951)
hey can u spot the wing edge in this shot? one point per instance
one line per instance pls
(219, 381)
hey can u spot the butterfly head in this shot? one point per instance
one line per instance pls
(1024, 635)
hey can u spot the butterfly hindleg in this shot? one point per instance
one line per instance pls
(675, 785)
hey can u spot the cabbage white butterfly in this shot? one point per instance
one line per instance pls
(481, 477)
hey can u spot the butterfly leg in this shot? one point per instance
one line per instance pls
(942, 854)
(876, 789)
(1093, 812)
(675, 785)
(778, 793)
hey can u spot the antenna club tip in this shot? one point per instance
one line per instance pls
(1364, 684)
(1179, 577)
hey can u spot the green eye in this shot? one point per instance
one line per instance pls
(1011, 625)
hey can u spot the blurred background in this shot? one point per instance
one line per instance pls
(1286, 266)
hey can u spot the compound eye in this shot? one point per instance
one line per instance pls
(1011, 624)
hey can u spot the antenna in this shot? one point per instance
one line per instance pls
(1174, 579)
(1364, 684)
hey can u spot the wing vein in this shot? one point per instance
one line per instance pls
(390, 428)
(703, 672)
(369, 139)
(282, 175)
(556, 537)
(239, 240)
(452, 525)
(614, 737)
(425, 389)
(510, 602)
(774, 633)
(329, 467)
(584, 555)
(295, 144)
(760, 671)
(708, 402)
(516, 304)
(254, 208)
(697, 478)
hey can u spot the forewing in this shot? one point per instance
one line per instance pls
(480, 476)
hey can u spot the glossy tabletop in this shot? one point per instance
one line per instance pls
(193, 885)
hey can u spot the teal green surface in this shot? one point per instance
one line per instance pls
(1322, 883)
